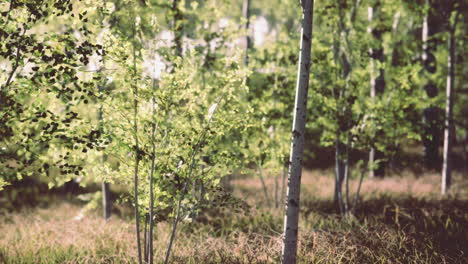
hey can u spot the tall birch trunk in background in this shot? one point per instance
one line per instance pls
(377, 81)
(105, 188)
(370, 12)
(137, 149)
(152, 168)
(177, 27)
(291, 219)
(341, 149)
(448, 128)
(248, 42)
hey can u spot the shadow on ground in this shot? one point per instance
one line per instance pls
(438, 227)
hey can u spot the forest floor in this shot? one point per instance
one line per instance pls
(400, 219)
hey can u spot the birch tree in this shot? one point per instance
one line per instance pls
(105, 186)
(290, 234)
(449, 126)
(377, 79)
(248, 42)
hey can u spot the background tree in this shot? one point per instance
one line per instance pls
(44, 90)
(449, 126)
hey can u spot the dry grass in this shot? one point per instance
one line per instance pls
(400, 220)
(53, 235)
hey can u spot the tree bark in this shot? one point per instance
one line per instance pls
(370, 14)
(339, 174)
(151, 176)
(377, 86)
(177, 27)
(276, 190)
(340, 56)
(174, 226)
(106, 201)
(136, 151)
(145, 239)
(105, 187)
(346, 176)
(448, 128)
(264, 187)
(356, 196)
(289, 250)
(248, 42)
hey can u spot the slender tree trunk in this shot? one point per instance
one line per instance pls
(145, 240)
(339, 174)
(289, 250)
(135, 182)
(184, 189)
(276, 190)
(370, 13)
(346, 175)
(154, 127)
(248, 42)
(151, 179)
(105, 188)
(137, 151)
(377, 85)
(106, 201)
(264, 187)
(340, 152)
(465, 151)
(174, 227)
(177, 27)
(448, 129)
(356, 196)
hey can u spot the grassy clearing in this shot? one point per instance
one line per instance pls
(399, 220)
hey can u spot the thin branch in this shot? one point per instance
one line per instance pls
(184, 189)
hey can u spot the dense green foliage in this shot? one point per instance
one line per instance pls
(44, 90)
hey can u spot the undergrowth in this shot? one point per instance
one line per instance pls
(391, 226)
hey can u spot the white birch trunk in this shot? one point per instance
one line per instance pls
(177, 28)
(448, 128)
(106, 202)
(136, 151)
(248, 42)
(105, 187)
(446, 166)
(289, 250)
(425, 33)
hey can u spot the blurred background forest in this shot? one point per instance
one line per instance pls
(160, 130)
